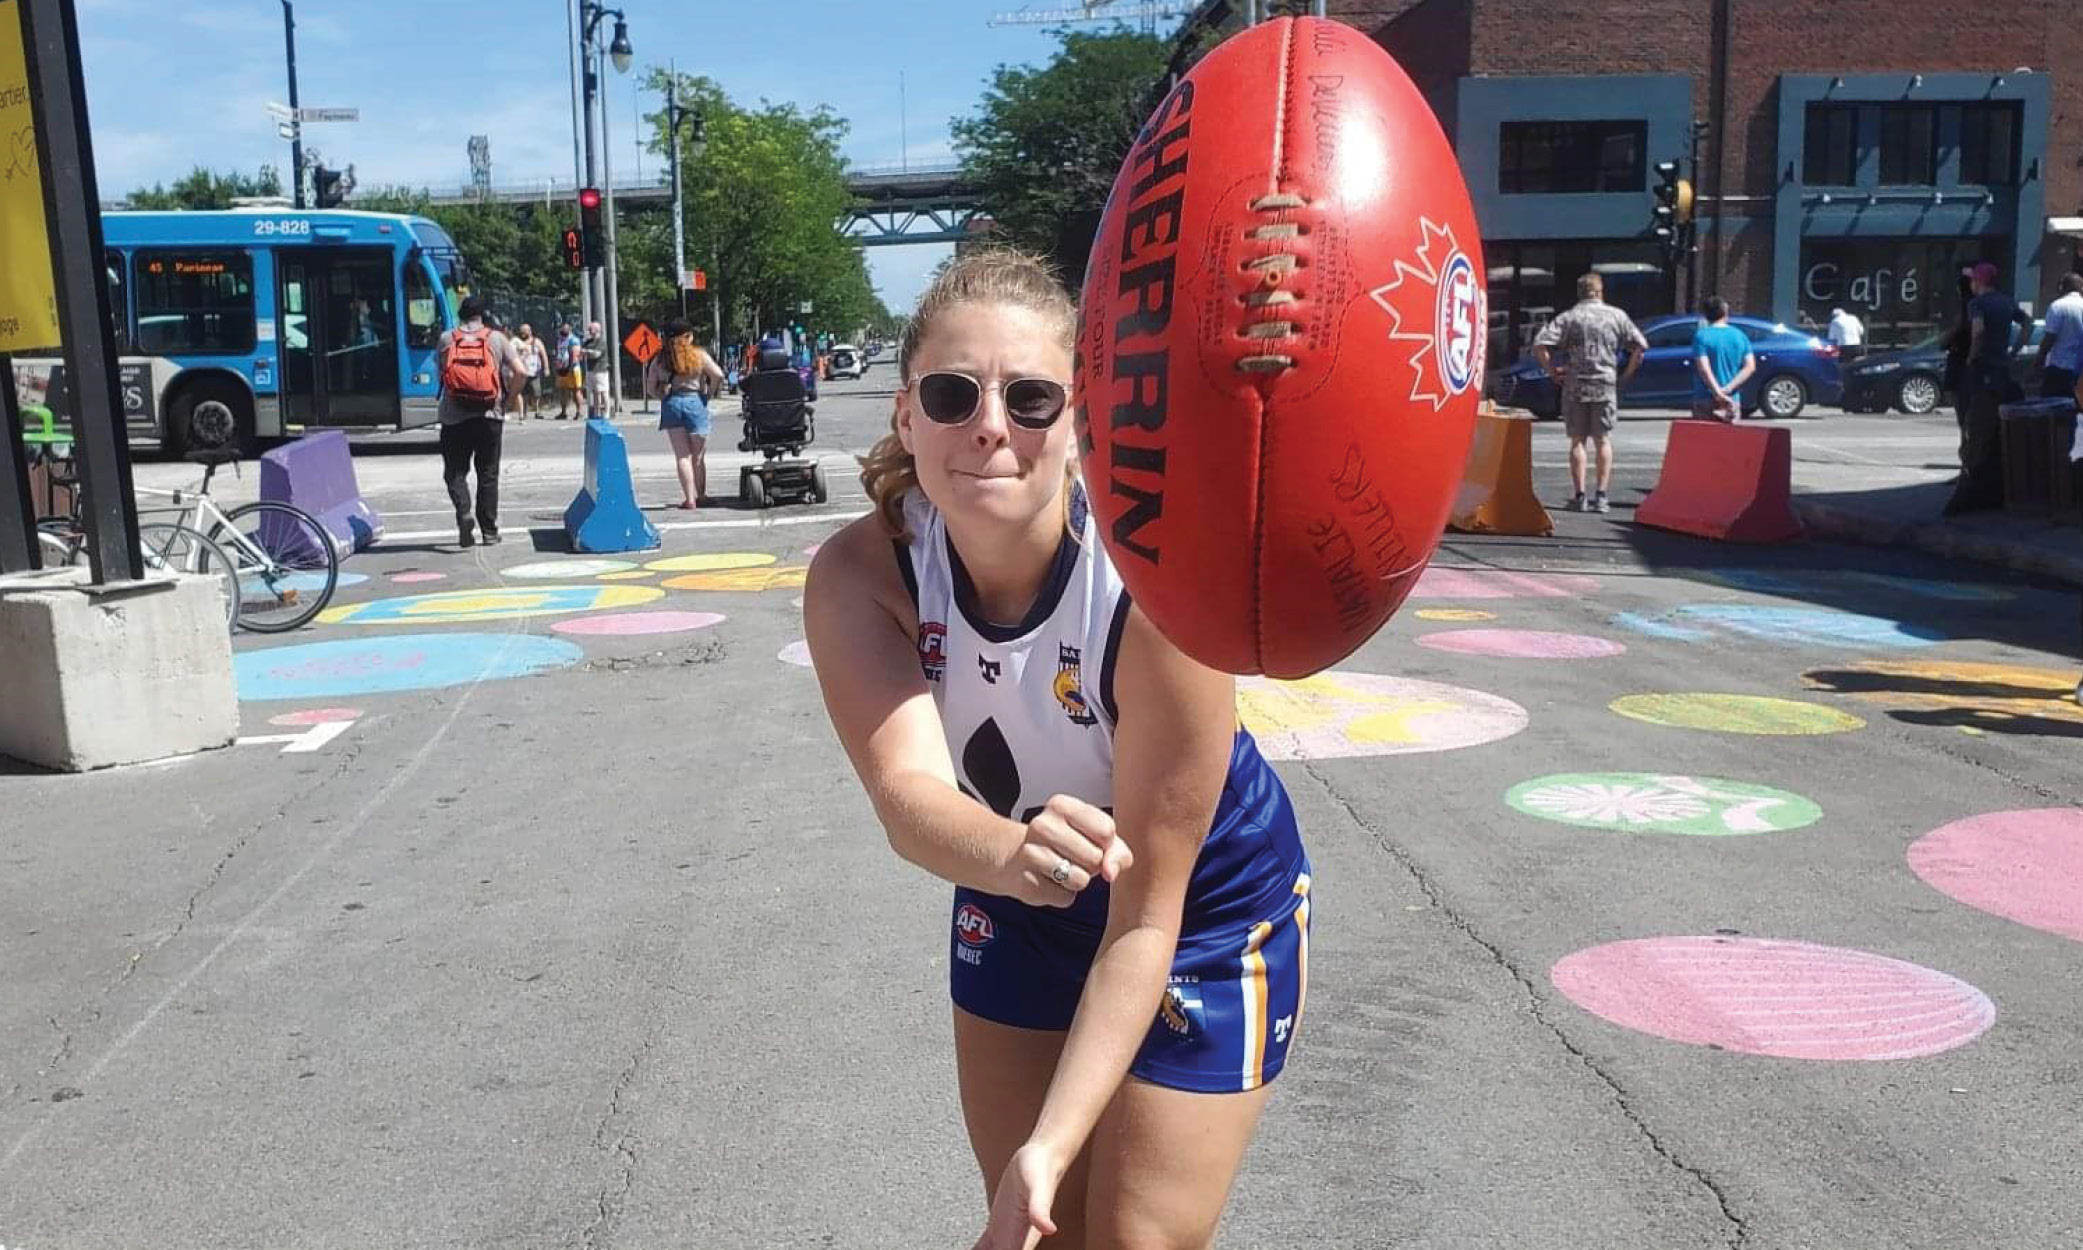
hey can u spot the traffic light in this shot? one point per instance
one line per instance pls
(328, 187)
(592, 251)
(1673, 204)
(574, 249)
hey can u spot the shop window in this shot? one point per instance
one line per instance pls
(1989, 145)
(1908, 145)
(1830, 153)
(1905, 290)
(200, 302)
(1571, 158)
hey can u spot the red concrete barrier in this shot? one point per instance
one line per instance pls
(1728, 482)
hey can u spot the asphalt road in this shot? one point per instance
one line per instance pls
(613, 954)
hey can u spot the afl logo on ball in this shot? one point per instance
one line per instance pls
(1436, 308)
(973, 926)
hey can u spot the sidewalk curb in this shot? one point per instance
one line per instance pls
(1939, 539)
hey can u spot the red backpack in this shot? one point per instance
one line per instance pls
(469, 375)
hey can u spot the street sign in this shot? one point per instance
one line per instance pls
(696, 280)
(329, 115)
(809, 306)
(643, 342)
(281, 112)
(288, 130)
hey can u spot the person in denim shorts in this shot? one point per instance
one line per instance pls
(682, 377)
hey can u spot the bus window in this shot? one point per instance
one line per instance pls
(422, 307)
(118, 311)
(193, 302)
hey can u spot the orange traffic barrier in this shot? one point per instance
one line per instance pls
(1724, 481)
(1497, 485)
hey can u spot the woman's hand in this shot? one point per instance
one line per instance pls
(1068, 844)
(1020, 1208)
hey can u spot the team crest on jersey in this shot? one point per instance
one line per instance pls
(1181, 1008)
(973, 925)
(1437, 306)
(1070, 686)
(932, 649)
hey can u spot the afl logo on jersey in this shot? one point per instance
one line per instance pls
(932, 649)
(1070, 686)
(973, 926)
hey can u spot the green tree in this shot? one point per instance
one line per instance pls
(203, 188)
(512, 249)
(1046, 142)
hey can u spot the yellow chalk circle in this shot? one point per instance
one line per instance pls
(461, 606)
(1454, 614)
(634, 575)
(1736, 714)
(710, 562)
(1956, 687)
(741, 579)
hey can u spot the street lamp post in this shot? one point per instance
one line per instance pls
(579, 144)
(593, 59)
(296, 124)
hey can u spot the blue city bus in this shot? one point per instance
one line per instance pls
(259, 323)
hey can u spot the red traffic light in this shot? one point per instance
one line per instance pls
(589, 197)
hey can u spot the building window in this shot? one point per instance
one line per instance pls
(1830, 154)
(1989, 145)
(1571, 158)
(1530, 283)
(1908, 145)
(200, 302)
(1907, 291)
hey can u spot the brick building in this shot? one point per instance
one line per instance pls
(1851, 153)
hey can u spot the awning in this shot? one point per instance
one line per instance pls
(2071, 226)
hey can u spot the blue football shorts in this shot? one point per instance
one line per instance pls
(1231, 1007)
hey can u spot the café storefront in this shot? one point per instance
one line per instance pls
(1903, 290)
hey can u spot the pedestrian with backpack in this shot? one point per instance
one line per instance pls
(473, 419)
(571, 378)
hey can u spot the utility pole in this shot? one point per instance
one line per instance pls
(296, 142)
(578, 155)
(612, 319)
(672, 121)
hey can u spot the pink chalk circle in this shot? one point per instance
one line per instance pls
(796, 653)
(811, 550)
(2025, 866)
(1521, 644)
(416, 576)
(1445, 583)
(318, 716)
(628, 624)
(1788, 1000)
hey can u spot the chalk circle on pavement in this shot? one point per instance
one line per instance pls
(2019, 697)
(711, 562)
(318, 716)
(631, 624)
(1521, 644)
(1736, 714)
(1339, 715)
(796, 653)
(386, 664)
(1795, 627)
(1437, 582)
(2025, 866)
(551, 570)
(1786, 1000)
(628, 575)
(1662, 803)
(1455, 614)
(782, 578)
(410, 576)
(450, 607)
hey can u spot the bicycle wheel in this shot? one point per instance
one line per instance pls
(286, 561)
(169, 548)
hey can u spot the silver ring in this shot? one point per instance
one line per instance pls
(1061, 873)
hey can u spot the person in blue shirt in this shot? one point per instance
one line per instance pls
(1721, 363)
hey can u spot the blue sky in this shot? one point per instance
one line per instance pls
(176, 83)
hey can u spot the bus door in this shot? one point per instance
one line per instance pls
(339, 336)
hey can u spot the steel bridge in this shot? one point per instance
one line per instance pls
(892, 204)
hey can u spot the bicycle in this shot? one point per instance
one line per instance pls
(284, 564)
(166, 548)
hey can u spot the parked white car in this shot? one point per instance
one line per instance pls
(845, 361)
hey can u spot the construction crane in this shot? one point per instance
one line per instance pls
(1150, 11)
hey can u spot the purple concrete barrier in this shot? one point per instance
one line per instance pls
(316, 473)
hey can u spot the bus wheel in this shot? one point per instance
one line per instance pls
(209, 416)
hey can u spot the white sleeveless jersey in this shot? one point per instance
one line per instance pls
(1028, 708)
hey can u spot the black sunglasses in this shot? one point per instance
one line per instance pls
(953, 398)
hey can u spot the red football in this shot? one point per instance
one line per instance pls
(1280, 351)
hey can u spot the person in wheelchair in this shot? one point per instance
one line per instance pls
(777, 407)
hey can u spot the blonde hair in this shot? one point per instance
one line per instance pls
(989, 275)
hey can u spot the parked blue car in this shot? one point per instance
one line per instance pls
(1795, 369)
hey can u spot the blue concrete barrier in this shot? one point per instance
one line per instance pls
(316, 473)
(604, 516)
